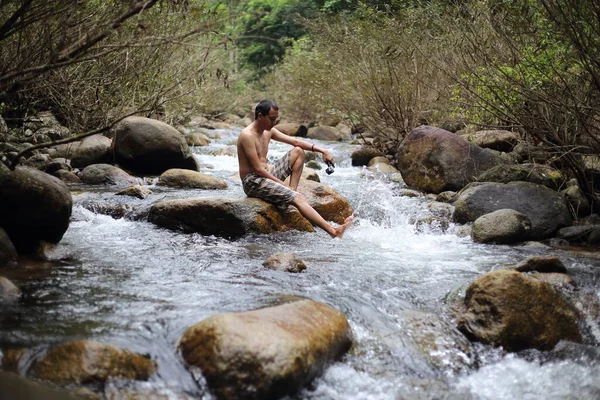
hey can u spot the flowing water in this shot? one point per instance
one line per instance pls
(129, 283)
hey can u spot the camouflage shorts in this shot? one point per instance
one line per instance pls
(269, 190)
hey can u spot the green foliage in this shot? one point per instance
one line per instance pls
(266, 28)
(367, 65)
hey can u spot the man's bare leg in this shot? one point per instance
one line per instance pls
(297, 158)
(315, 218)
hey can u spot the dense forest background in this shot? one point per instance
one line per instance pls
(531, 66)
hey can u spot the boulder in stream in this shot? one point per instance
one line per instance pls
(266, 353)
(501, 226)
(106, 174)
(88, 361)
(546, 209)
(185, 178)
(435, 160)
(287, 262)
(93, 149)
(149, 147)
(510, 309)
(34, 207)
(225, 216)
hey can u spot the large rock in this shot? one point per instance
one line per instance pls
(266, 353)
(34, 207)
(515, 311)
(546, 209)
(229, 217)
(435, 160)
(499, 140)
(292, 129)
(329, 133)
(534, 173)
(87, 361)
(93, 149)
(501, 226)
(149, 147)
(106, 174)
(185, 178)
(326, 201)
(364, 155)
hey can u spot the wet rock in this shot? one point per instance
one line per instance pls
(105, 174)
(501, 226)
(378, 160)
(313, 164)
(230, 151)
(329, 133)
(447, 197)
(534, 173)
(435, 160)
(13, 386)
(383, 168)
(197, 139)
(512, 310)
(149, 147)
(11, 357)
(140, 192)
(66, 176)
(286, 262)
(364, 155)
(445, 348)
(266, 353)
(540, 264)
(545, 208)
(580, 353)
(37, 161)
(326, 201)
(64, 150)
(184, 178)
(578, 201)
(87, 361)
(57, 165)
(34, 206)
(229, 217)
(293, 129)
(500, 140)
(95, 149)
(432, 224)
(555, 279)
(9, 293)
(8, 252)
(589, 234)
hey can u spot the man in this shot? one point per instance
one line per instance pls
(268, 184)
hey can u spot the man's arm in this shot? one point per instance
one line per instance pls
(249, 148)
(282, 137)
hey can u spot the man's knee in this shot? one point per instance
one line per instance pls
(300, 199)
(298, 152)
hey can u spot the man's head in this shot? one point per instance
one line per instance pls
(268, 110)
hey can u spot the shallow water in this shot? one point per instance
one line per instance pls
(127, 282)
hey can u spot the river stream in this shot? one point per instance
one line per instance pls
(130, 283)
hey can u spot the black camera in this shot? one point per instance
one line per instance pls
(329, 169)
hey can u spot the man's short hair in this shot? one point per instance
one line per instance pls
(263, 107)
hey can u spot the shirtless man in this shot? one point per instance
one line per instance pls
(268, 184)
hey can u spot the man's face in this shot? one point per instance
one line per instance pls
(271, 118)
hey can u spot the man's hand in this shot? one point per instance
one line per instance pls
(327, 156)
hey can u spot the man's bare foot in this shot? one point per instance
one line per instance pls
(339, 231)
